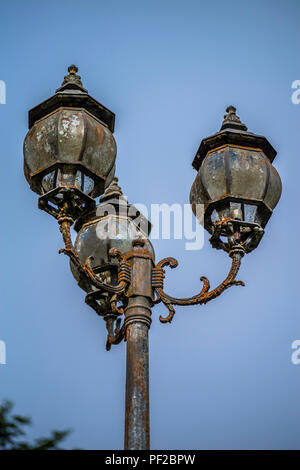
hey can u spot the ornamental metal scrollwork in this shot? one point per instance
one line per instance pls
(205, 295)
(115, 332)
(115, 294)
(86, 269)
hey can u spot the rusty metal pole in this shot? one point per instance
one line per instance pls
(137, 324)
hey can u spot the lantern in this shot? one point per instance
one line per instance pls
(69, 151)
(236, 187)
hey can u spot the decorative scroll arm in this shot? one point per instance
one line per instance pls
(114, 335)
(205, 295)
(115, 332)
(86, 268)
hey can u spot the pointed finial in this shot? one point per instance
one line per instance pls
(230, 110)
(72, 77)
(114, 188)
(113, 191)
(232, 121)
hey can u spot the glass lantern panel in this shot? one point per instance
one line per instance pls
(58, 178)
(66, 177)
(48, 182)
(247, 173)
(214, 216)
(88, 184)
(236, 211)
(78, 180)
(213, 174)
(250, 212)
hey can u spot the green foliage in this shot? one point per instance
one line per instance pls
(12, 428)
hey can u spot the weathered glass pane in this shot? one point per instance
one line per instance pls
(213, 174)
(88, 185)
(78, 180)
(48, 182)
(236, 210)
(247, 173)
(214, 216)
(249, 212)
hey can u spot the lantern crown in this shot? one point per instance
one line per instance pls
(234, 132)
(72, 94)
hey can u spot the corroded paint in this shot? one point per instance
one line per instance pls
(70, 137)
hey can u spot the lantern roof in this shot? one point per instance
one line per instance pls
(113, 193)
(233, 132)
(114, 197)
(72, 94)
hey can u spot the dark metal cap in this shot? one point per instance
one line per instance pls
(233, 132)
(71, 94)
(72, 80)
(113, 192)
(232, 121)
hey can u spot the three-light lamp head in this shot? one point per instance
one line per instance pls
(69, 160)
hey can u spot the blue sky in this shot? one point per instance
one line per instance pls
(221, 375)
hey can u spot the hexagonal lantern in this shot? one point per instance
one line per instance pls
(69, 151)
(236, 183)
(115, 224)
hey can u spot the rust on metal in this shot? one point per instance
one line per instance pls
(69, 147)
(69, 159)
(137, 429)
(236, 181)
(205, 295)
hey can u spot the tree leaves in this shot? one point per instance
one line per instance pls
(11, 429)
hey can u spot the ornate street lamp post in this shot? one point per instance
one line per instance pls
(69, 160)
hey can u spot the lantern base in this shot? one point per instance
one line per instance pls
(72, 201)
(246, 234)
(101, 307)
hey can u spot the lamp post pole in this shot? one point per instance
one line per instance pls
(69, 160)
(137, 426)
(137, 323)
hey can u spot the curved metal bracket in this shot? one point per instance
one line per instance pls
(248, 235)
(205, 295)
(119, 292)
(114, 335)
(86, 268)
